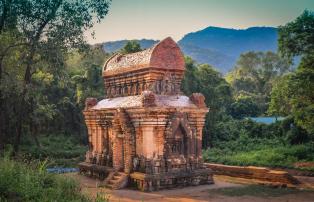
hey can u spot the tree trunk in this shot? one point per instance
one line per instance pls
(23, 105)
(1, 114)
(34, 132)
(27, 76)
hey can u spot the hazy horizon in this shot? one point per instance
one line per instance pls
(190, 32)
(151, 19)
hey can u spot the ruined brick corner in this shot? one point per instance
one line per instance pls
(90, 102)
(198, 99)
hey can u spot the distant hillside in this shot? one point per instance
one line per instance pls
(219, 47)
(218, 60)
(113, 46)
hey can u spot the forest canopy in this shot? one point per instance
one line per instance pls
(36, 38)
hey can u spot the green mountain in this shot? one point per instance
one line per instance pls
(219, 47)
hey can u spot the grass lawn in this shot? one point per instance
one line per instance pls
(282, 156)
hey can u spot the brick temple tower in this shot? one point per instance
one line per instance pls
(146, 132)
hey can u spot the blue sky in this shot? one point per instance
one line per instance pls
(157, 19)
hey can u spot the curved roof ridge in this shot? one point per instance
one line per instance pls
(146, 58)
(104, 67)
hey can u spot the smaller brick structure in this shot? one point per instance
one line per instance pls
(252, 172)
(146, 132)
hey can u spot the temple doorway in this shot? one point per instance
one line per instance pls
(180, 142)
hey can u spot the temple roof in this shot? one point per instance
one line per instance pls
(166, 55)
(136, 101)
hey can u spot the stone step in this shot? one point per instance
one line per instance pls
(116, 181)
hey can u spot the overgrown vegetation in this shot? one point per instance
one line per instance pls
(31, 182)
(39, 91)
(264, 84)
(57, 150)
(245, 143)
(47, 69)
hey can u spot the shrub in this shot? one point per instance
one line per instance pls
(60, 150)
(245, 142)
(21, 182)
(263, 154)
(243, 107)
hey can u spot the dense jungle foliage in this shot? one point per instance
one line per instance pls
(47, 70)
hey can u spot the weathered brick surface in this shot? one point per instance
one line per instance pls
(158, 69)
(198, 99)
(251, 172)
(90, 102)
(167, 55)
(145, 125)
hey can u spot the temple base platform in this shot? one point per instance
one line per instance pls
(147, 182)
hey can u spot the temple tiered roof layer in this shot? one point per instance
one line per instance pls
(136, 101)
(145, 130)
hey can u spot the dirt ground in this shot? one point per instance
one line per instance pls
(192, 194)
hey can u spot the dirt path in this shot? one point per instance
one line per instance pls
(192, 194)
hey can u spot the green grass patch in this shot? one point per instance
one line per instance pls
(283, 156)
(255, 190)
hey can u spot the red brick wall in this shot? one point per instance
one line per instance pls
(167, 55)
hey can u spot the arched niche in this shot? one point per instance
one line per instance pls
(178, 133)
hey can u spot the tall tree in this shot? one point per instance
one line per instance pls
(217, 92)
(254, 75)
(190, 83)
(281, 96)
(296, 38)
(47, 29)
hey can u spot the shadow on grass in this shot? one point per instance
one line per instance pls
(256, 190)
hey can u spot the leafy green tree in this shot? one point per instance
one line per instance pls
(243, 107)
(190, 83)
(217, 92)
(302, 99)
(85, 70)
(254, 75)
(218, 96)
(296, 37)
(131, 47)
(296, 90)
(41, 33)
(280, 97)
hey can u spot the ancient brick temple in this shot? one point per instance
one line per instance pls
(145, 132)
